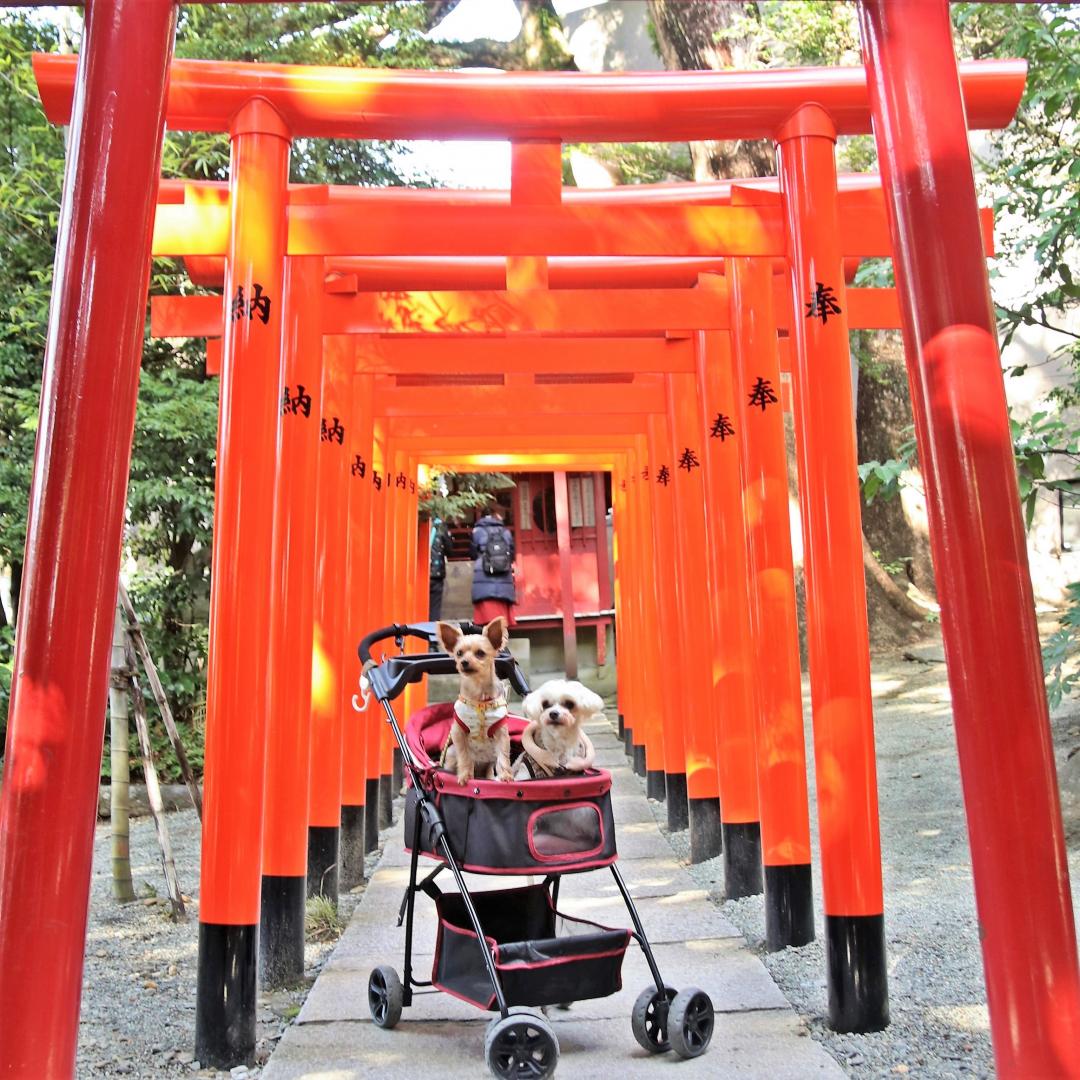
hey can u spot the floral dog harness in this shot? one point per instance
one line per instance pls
(483, 718)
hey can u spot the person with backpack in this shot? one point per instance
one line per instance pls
(492, 551)
(437, 568)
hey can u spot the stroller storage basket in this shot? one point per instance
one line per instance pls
(535, 966)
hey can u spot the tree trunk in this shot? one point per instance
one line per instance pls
(893, 593)
(698, 35)
(541, 45)
(122, 887)
(16, 591)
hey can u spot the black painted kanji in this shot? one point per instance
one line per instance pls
(332, 432)
(257, 305)
(689, 460)
(359, 467)
(722, 427)
(663, 475)
(298, 403)
(822, 304)
(763, 393)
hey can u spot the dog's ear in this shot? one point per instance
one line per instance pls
(496, 632)
(530, 705)
(591, 702)
(448, 635)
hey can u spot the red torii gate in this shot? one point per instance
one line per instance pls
(978, 542)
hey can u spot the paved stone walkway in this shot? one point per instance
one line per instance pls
(757, 1033)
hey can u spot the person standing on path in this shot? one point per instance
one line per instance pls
(437, 569)
(492, 552)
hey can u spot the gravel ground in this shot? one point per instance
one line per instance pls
(138, 1003)
(940, 1024)
(138, 1009)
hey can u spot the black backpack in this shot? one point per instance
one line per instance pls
(497, 554)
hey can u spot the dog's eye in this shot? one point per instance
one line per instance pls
(480, 653)
(459, 653)
(568, 706)
(545, 704)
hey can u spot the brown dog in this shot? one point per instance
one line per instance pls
(479, 741)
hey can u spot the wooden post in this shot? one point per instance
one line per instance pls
(137, 639)
(566, 581)
(119, 772)
(153, 792)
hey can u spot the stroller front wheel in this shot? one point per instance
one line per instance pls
(385, 996)
(690, 1022)
(521, 1046)
(649, 1020)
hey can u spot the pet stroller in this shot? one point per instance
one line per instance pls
(503, 949)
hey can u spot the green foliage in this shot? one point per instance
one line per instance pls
(801, 32)
(893, 566)
(165, 762)
(884, 479)
(1043, 435)
(170, 497)
(322, 920)
(1034, 167)
(451, 495)
(642, 163)
(1062, 675)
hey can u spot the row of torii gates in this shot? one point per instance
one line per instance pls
(646, 332)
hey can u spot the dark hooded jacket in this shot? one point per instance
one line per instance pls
(490, 586)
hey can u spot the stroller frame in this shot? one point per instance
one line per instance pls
(656, 1006)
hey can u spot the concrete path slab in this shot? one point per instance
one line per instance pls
(757, 1033)
(746, 1045)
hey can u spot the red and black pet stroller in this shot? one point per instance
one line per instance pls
(503, 948)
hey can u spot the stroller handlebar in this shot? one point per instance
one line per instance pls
(390, 677)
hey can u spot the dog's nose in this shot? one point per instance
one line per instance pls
(553, 714)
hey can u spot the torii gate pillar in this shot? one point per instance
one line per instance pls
(61, 665)
(977, 541)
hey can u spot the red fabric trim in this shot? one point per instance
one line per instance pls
(511, 871)
(530, 825)
(592, 784)
(501, 722)
(435, 965)
(461, 997)
(521, 965)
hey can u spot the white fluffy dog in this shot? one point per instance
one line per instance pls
(555, 742)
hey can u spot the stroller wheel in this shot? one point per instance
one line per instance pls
(649, 1019)
(690, 1022)
(521, 1046)
(385, 996)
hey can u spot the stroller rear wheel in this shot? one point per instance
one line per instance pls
(690, 1022)
(521, 1046)
(649, 1019)
(385, 996)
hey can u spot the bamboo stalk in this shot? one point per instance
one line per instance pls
(153, 795)
(123, 889)
(135, 633)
